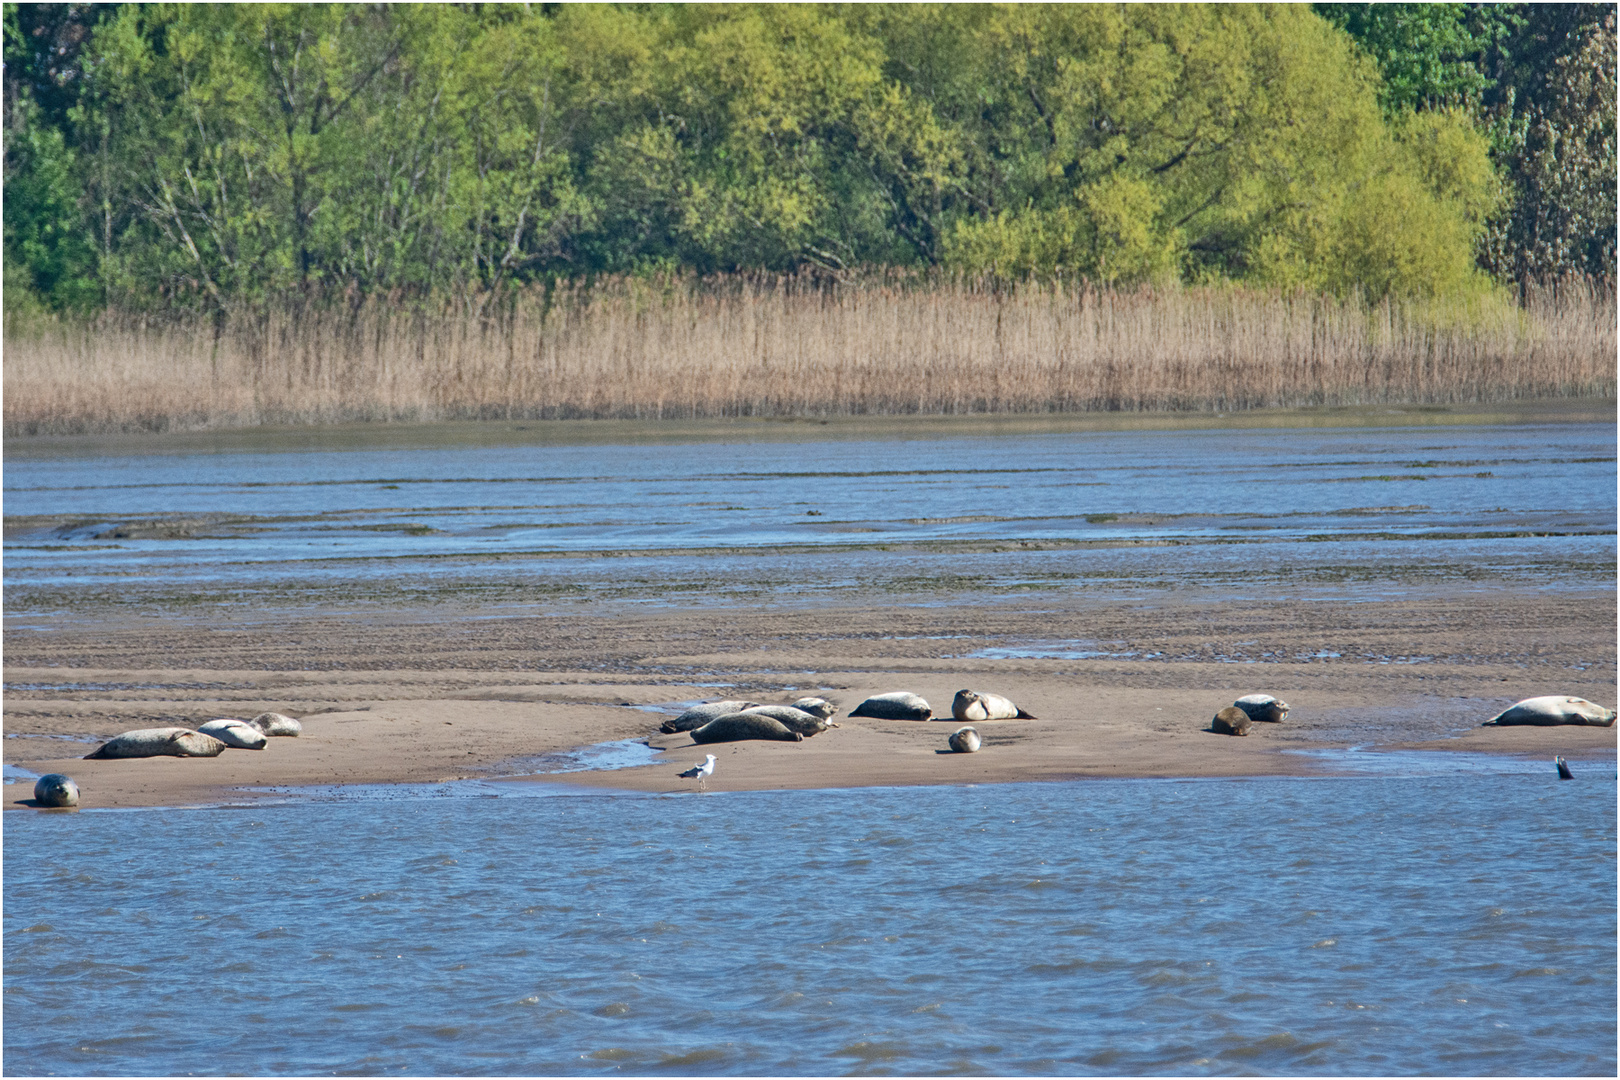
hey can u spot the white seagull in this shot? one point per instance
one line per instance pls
(700, 771)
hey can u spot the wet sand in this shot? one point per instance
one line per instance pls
(414, 696)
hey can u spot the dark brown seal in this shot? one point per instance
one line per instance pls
(1231, 721)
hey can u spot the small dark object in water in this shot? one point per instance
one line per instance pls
(1563, 769)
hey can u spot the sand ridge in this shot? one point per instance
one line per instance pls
(405, 698)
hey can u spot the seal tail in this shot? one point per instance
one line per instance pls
(1563, 769)
(1022, 715)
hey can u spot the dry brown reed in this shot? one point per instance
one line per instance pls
(755, 346)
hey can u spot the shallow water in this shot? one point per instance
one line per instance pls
(711, 522)
(1452, 924)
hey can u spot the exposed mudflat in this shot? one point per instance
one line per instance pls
(1123, 688)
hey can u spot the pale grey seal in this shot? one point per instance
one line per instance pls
(1263, 707)
(698, 715)
(790, 717)
(744, 725)
(965, 741)
(274, 724)
(1551, 711)
(1231, 721)
(817, 706)
(972, 705)
(54, 789)
(896, 706)
(159, 742)
(238, 734)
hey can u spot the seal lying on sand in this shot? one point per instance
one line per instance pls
(790, 717)
(235, 733)
(897, 706)
(744, 725)
(273, 724)
(1263, 707)
(159, 742)
(698, 715)
(1231, 721)
(1551, 711)
(54, 789)
(817, 706)
(965, 741)
(971, 705)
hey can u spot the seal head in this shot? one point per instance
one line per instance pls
(965, 741)
(54, 789)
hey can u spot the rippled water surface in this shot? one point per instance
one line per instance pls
(1445, 924)
(712, 520)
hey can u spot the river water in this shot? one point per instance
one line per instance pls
(717, 522)
(1414, 917)
(1457, 923)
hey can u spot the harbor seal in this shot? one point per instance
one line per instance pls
(237, 734)
(274, 724)
(159, 742)
(1263, 707)
(896, 706)
(817, 706)
(965, 741)
(790, 717)
(54, 789)
(1552, 711)
(972, 705)
(744, 725)
(1231, 721)
(698, 715)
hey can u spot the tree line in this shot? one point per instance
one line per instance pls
(219, 157)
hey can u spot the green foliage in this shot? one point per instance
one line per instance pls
(1554, 134)
(222, 155)
(50, 261)
(1428, 54)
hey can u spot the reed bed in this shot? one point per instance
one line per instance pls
(761, 346)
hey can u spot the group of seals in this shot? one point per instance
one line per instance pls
(209, 740)
(1236, 718)
(735, 721)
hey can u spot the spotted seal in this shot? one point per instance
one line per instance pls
(1231, 721)
(1263, 707)
(817, 706)
(159, 742)
(275, 724)
(54, 789)
(790, 717)
(896, 706)
(965, 741)
(736, 727)
(972, 705)
(698, 715)
(237, 734)
(1552, 711)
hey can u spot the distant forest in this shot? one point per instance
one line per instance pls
(219, 158)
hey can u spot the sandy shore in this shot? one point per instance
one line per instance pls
(410, 697)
